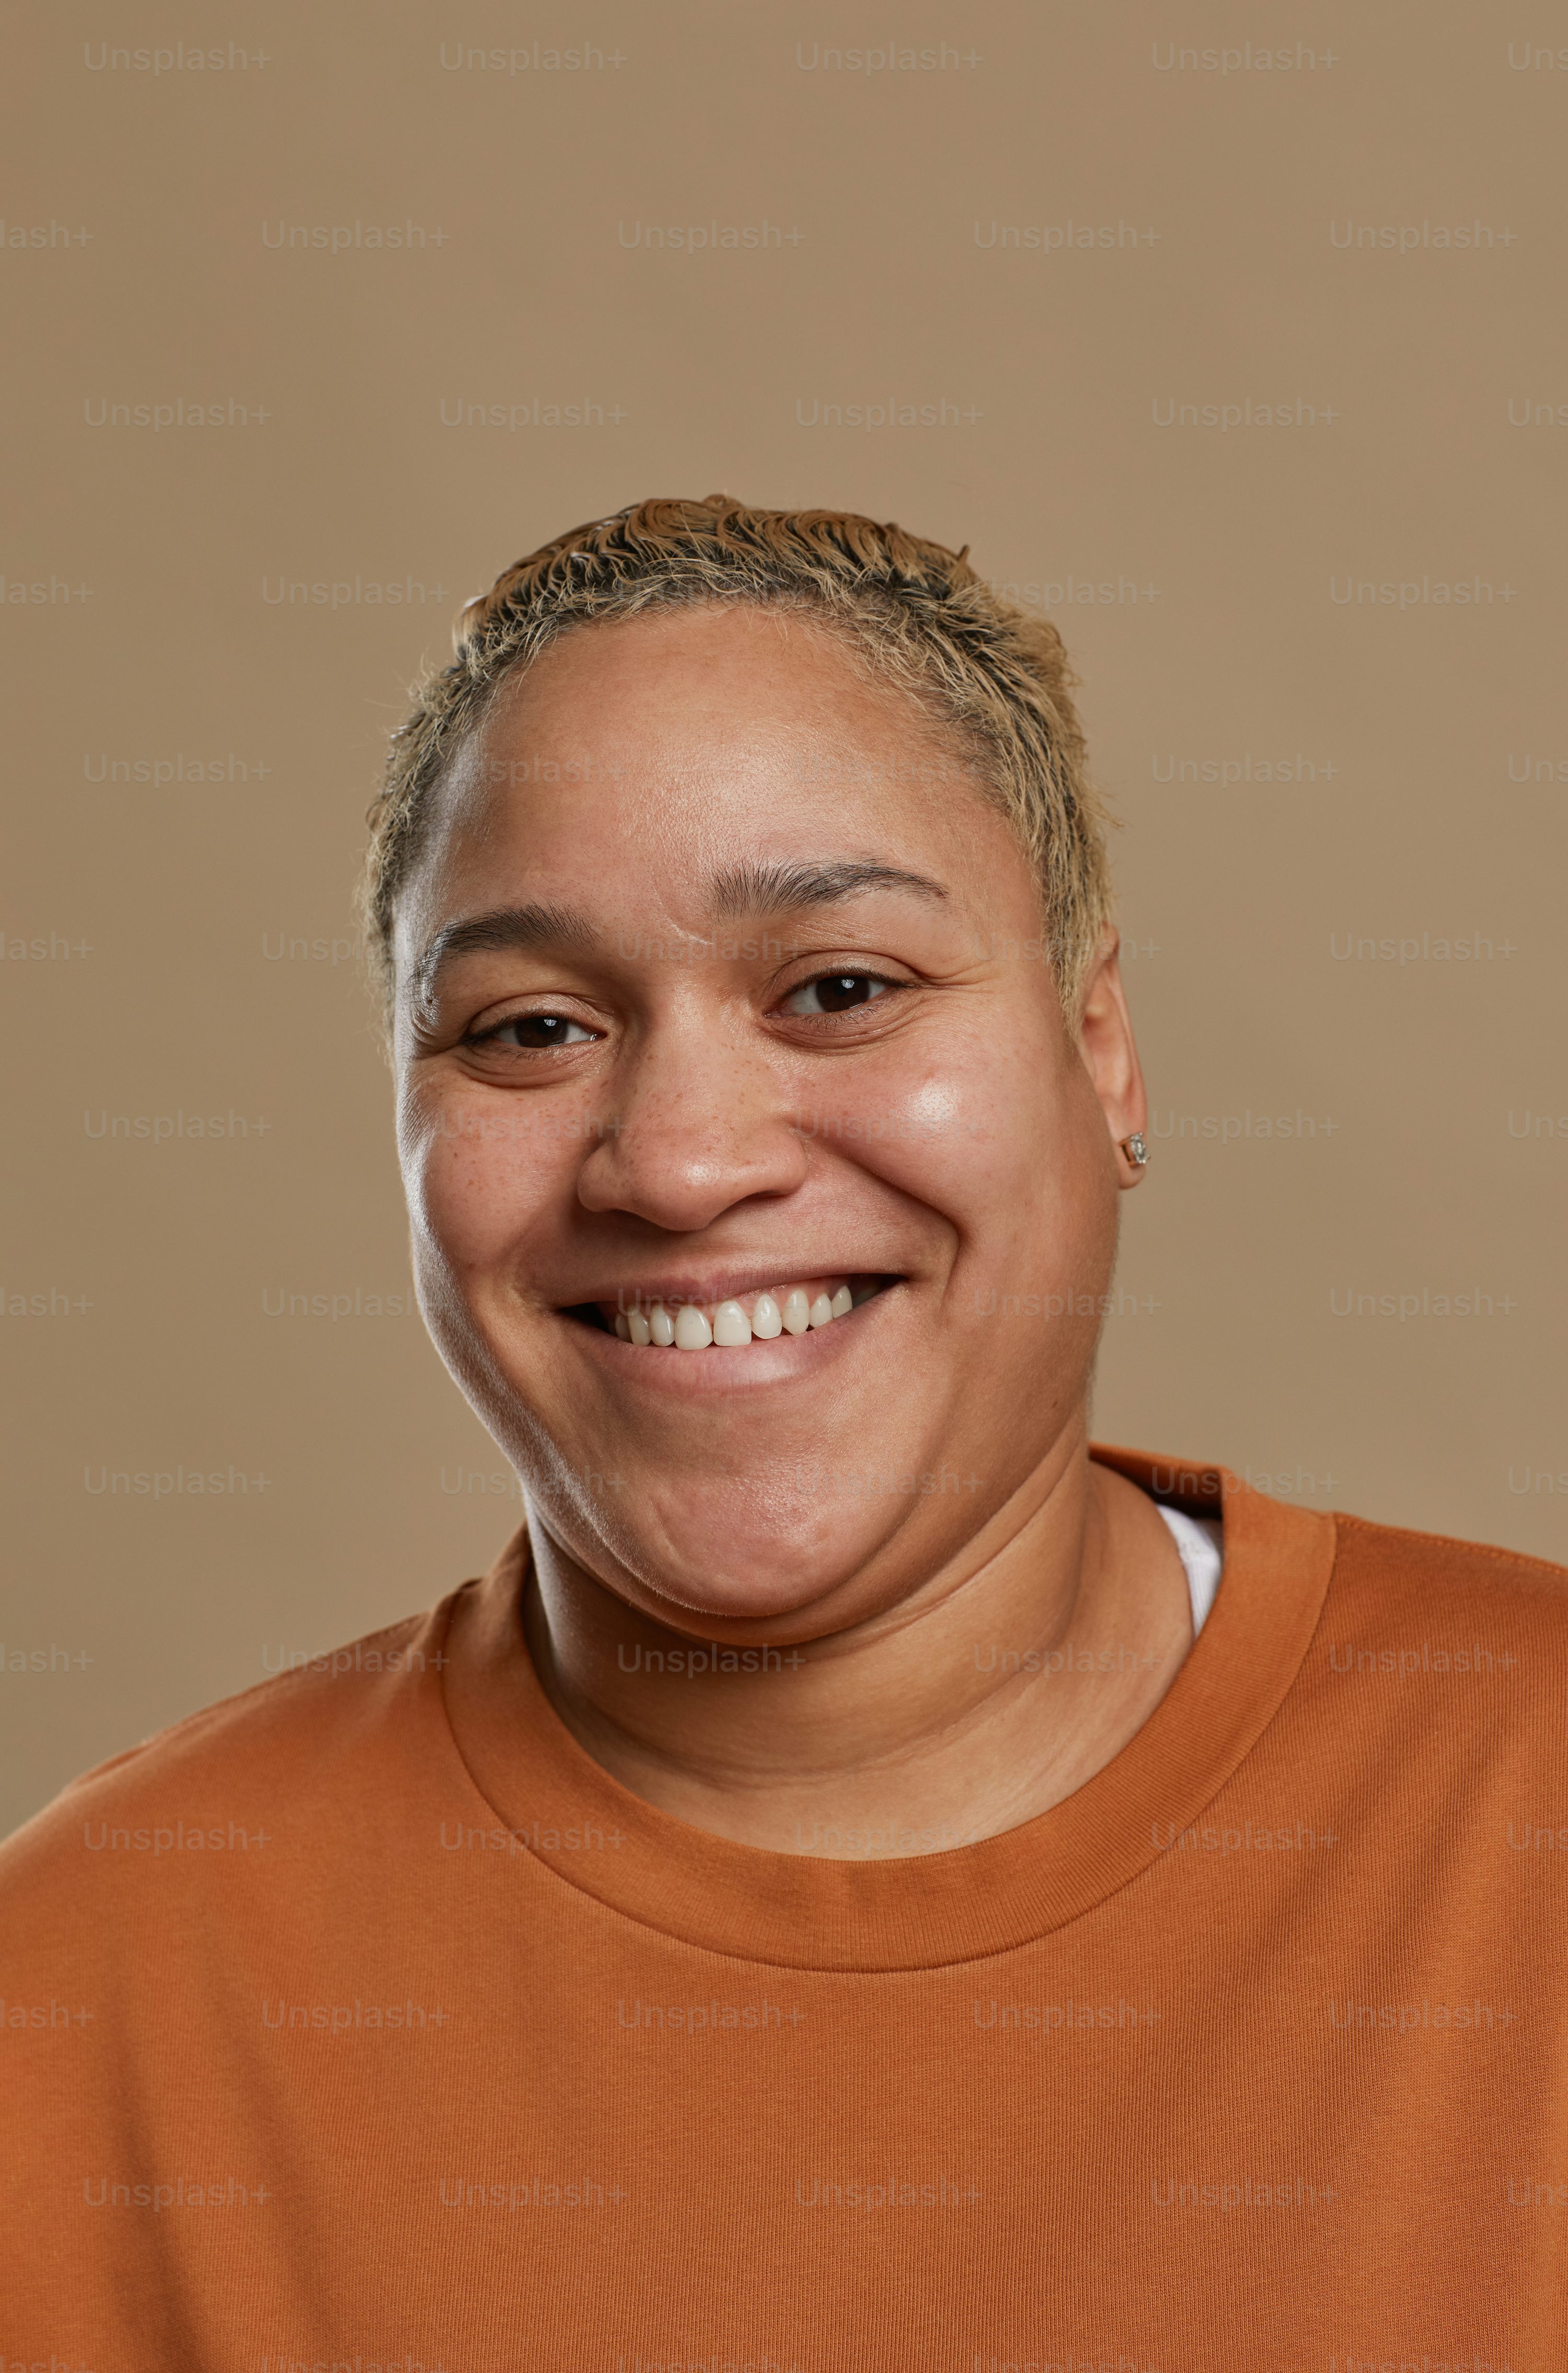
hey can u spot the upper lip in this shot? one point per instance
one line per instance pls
(715, 1285)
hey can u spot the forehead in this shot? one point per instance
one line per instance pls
(682, 742)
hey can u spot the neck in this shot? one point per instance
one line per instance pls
(1002, 1684)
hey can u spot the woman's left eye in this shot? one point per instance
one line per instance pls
(534, 1032)
(835, 992)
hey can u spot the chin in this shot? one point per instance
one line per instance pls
(730, 1558)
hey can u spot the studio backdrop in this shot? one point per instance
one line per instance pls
(1233, 337)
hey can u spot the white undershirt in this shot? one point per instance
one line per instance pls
(1200, 1542)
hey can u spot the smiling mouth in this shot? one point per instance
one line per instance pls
(669, 1323)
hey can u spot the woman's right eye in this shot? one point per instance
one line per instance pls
(534, 1032)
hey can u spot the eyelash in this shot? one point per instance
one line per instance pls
(492, 1038)
(881, 984)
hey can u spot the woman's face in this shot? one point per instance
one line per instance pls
(719, 979)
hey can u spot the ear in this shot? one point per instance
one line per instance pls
(1110, 1053)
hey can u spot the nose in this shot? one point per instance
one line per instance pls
(701, 1124)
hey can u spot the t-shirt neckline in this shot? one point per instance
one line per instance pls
(924, 1911)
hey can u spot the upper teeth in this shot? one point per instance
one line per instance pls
(783, 1309)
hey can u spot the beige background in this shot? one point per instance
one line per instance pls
(1444, 1079)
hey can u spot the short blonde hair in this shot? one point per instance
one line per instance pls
(994, 676)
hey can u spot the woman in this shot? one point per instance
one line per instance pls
(858, 1882)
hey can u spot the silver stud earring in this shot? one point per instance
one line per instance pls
(1134, 1148)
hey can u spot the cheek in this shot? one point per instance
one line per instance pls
(1004, 1139)
(478, 1182)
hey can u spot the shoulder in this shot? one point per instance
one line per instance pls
(1397, 1567)
(231, 1786)
(1420, 1608)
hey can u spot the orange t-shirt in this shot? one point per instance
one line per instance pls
(364, 2022)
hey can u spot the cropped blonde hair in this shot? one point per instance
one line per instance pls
(996, 676)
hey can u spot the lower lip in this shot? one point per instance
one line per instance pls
(730, 1370)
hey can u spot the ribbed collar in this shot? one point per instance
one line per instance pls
(926, 1911)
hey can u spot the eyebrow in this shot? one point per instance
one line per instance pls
(751, 890)
(502, 927)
